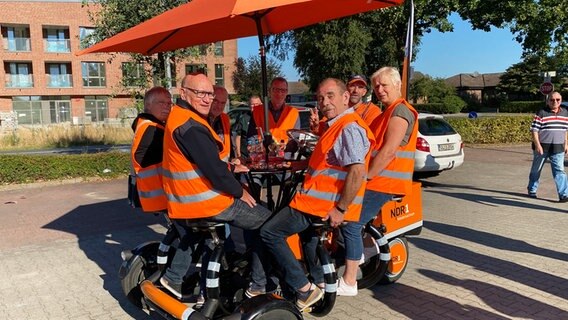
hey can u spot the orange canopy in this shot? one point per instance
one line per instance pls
(207, 21)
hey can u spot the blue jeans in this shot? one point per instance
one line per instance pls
(239, 214)
(373, 201)
(285, 223)
(557, 166)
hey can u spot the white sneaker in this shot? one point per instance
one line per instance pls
(343, 289)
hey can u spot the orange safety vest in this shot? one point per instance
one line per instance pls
(287, 120)
(226, 124)
(396, 177)
(190, 195)
(323, 183)
(149, 179)
(368, 112)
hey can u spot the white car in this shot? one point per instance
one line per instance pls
(438, 146)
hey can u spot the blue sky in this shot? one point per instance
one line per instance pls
(442, 54)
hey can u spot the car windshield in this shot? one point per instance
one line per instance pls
(434, 127)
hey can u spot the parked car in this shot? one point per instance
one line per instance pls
(438, 146)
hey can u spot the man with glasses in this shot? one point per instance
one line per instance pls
(549, 134)
(281, 117)
(198, 183)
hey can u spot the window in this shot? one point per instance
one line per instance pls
(18, 74)
(27, 109)
(133, 74)
(192, 68)
(58, 75)
(96, 108)
(16, 38)
(42, 110)
(220, 75)
(86, 37)
(219, 49)
(56, 39)
(94, 74)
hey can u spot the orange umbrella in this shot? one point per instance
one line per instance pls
(207, 21)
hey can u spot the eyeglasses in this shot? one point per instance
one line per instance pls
(201, 94)
(557, 100)
(281, 90)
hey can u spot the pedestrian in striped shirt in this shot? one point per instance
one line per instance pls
(549, 134)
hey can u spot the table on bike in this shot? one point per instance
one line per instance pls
(286, 175)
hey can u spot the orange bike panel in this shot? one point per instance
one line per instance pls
(163, 300)
(398, 215)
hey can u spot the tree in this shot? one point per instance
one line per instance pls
(111, 17)
(365, 42)
(522, 81)
(247, 79)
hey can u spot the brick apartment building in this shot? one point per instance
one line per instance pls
(46, 83)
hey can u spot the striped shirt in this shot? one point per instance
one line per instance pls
(551, 128)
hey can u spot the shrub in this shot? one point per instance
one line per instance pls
(35, 168)
(503, 129)
(521, 106)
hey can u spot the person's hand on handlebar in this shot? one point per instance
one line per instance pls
(239, 167)
(246, 197)
(335, 218)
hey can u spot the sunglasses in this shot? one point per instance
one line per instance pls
(557, 100)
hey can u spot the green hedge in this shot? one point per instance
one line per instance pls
(34, 168)
(521, 106)
(487, 130)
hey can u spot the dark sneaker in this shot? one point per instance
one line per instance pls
(173, 288)
(311, 297)
(563, 199)
(532, 195)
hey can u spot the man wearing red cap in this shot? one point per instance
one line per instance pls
(357, 87)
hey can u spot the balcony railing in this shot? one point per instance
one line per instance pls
(16, 44)
(19, 81)
(57, 45)
(59, 80)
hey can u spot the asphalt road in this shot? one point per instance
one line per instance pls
(486, 250)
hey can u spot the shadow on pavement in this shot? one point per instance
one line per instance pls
(503, 300)
(490, 200)
(425, 305)
(502, 268)
(102, 233)
(493, 240)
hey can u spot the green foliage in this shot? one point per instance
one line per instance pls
(521, 106)
(111, 17)
(453, 103)
(35, 168)
(491, 130)
(247, 79)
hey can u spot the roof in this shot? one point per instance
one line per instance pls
(297, 87)
(474, 80)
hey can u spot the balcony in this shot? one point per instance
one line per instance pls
(19, 81)
(59, 80)
(16, 44)
(57, 45)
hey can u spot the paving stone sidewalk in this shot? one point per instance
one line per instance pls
(486, 250)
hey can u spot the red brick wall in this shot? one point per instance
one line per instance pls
(37, 14)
